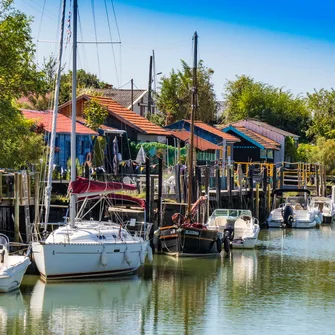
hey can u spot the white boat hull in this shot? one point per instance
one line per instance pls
(295, 224)
(58, 261)
(11, 276)
(246, 243)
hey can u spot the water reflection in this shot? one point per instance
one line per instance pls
(12, 308)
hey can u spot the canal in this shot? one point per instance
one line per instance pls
(286, 285)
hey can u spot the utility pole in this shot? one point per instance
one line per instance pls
(149, 88)
(132, 94)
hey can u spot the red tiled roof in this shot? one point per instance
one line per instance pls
(266, 142)
(129, 117)
(63, 122)
(199, 142)
(217, 132)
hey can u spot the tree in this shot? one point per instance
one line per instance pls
(18, 144)
(18, 74)
(84, 80)
(322, 106)
(246, 98)
(95, 114)
(174, 99)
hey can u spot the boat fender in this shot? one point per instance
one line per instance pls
(104, 258)
(226, 244)
(157, 232)
(127, 256)
(150, 256)
(142, 256)
(219, 245)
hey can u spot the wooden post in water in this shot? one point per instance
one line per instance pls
(317, 180)
(257, 202)
(207, 191)
(16, 207)
(37, 198)
(274, 177)
(282, 176)
(240, 179)
(251, 187)
(325, 180)
(147, 188)
(177, 179)
(230, 185)
(268, 198)
(160, 191)
(218, 187)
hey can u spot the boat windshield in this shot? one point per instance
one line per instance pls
(231, 213)
(4, 240)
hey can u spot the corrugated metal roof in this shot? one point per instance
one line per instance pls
(63, 122)
(199, 142)
(266, 142)
(217, 132)
(272, 128)
(129, 117)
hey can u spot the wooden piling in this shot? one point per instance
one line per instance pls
(16, 208)
(268, 198)
(206, 182)
(160, 189)
(218, 187)
(240, 180)
(274, 177)
(281, 185)
(37, 198)
(317, 180)
(251, 186)
(257, 202)
(230, 185)
(0, 186)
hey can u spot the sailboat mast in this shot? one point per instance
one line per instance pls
(54, 120)
(74, 112)
(193, 112)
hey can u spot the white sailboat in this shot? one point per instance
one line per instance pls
(84, 248)
(12, 267)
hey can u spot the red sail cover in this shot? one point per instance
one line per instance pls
(129, 198)
(83, 185)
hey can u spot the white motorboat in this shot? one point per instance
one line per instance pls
(326, 206)
(295, 212)
(12, 267)
(239, 227)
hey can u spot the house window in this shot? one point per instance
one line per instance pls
(142, 110)
(262, 153)
(270, 154)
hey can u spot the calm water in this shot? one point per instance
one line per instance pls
(287, 285)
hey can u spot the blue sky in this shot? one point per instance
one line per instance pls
(288, 44)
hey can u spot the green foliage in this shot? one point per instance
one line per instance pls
(99, 151)
(95, 114)
(322, 152)
(290, 149)
(18, 74)
(78, 168)
(18, 144)
(246, 98)
(322, 105)
(84, 80)
(174, 99)
(158, 118)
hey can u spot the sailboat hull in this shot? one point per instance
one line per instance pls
(61, 261)
(189, 242)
